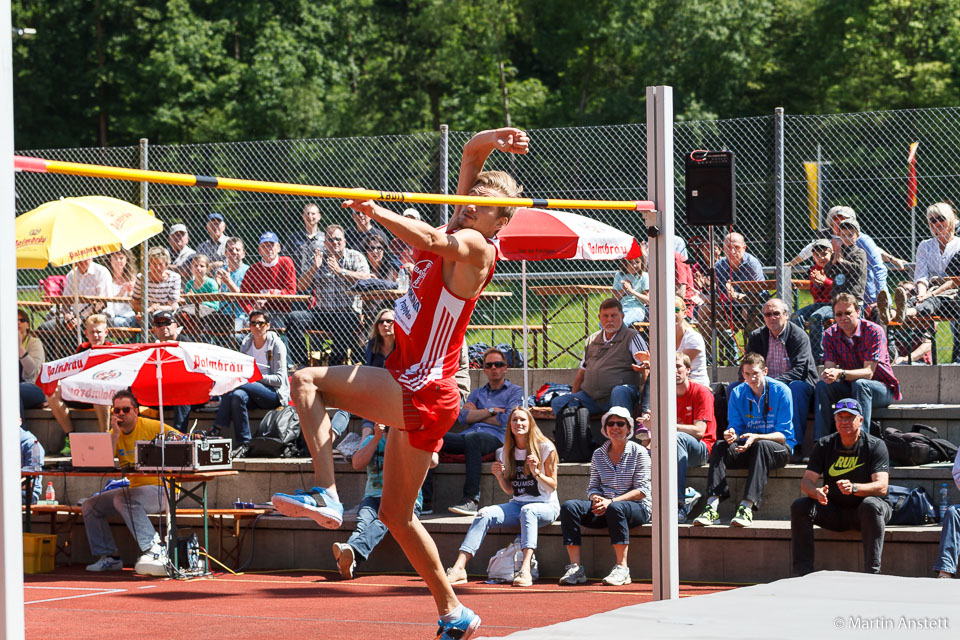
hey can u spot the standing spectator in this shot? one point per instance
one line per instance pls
(229, 279)
(691, 343)
(273, 275)
(736, 309)
(193, 316)
(946, 564)
(31, 459)
(855, 468)
(215, 248)
(786, 349)
(618, 497)
(302, 243)
(630, 286)
(270, 392)
(180, 252)
(856, 365)
(759, 439)
(821, 287)
(123, 272)
(362, 232)
(484, 418)
(526, 470)
(31, 358)
(336, 308)
(163, 290)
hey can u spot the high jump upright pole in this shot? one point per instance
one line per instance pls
(11, 530)
(663, 332)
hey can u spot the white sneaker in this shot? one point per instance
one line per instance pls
(153, 562)
(573, 574)
(106, 563)
(346, 559)
(620, 575)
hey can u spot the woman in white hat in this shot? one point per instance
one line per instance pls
(618, 497)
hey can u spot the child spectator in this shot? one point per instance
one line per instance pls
(630, 286)
(192, 315)
(821, 288)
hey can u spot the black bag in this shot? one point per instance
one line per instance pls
(719, 390)
(572, 434)
(276, 437)
(545, 394)
(910, 506)
(911, 448)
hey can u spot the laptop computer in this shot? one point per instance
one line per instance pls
(91, 452)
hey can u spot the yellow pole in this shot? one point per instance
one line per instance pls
(41, 165)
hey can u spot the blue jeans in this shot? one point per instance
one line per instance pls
(633, 314)
(369, 530)
(129, 320)
(801, 391)
(133, 504)
(472, 445)
(529, 516)
(690, 452)
(233, 408)
(622, 395)
(814, 314)
(869, 393)
(30, 396)
(949, 541)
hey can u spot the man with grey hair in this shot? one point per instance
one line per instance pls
(736, 309)
(180, 252)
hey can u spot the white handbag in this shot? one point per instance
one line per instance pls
(506, 562)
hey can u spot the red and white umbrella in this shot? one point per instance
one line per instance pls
(52, 372)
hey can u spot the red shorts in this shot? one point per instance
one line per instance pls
(430, 412)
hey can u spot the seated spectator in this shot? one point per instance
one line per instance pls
(383, 268)
(403, 252)
(821, 287)
(336, 308)
(87, 279)
(194, 316)
(180, 253)
(690, 342)
(526, 470)
(144, 495)
(123, 272)
(302, 243)
(369, 529)
(95, 330)
(229, 277)
(786, 349)
(362, 232)
(270, 392)
(856, 365)
(855, 469)
(606, 377)
(630, 286)
(274, 275)
(164, 328)
(31, 459)
(164, 289)
(618, 497)
(759, 438)
(215, 247)
(31, 360)
(947, 557)
(484, 417)
(381, 340)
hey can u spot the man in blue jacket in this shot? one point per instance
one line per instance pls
(759, 438)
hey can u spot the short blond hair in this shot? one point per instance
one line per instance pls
(504, 184)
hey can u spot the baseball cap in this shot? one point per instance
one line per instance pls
(411, 213)
(178, 227)
(841, 212)
(269, 236)
(215, 216)
(621, 412)
(849, 222)
(822, 243)
(848, 405)
(163, 315)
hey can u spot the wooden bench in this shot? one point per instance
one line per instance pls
(516, 331)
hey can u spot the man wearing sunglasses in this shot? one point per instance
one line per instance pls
(144, 495)
(482, 423)
(855, 469)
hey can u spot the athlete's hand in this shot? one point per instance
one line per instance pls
(511, 140)
(363, 206)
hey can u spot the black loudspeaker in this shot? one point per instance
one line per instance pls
(711, 194)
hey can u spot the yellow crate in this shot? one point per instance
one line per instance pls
(38, 552)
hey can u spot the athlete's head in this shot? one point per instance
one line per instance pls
(488, 220)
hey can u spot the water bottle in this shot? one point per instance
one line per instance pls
(943, 501)
(51, 494)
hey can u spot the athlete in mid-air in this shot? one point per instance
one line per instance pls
(416, 392)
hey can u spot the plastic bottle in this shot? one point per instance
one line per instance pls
(943, 501)
(52, 494)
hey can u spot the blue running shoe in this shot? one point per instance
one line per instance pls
(460, 629)
(316, 504)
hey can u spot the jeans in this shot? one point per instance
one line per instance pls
(811, 319)
(129, 320)
(341, 325)
(622, 395)
(759, 459)
(472, 445)
(633, 314)
(529, 516)
(369, 530)
(690, 452)
(233, 408)
(801, 391)
(870, 517)
(30, 396)
(133, 504)
(869, 393)
(619, 518)
(949, 541)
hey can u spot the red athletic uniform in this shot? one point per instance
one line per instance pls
(430, 326)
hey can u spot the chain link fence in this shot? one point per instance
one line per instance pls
(862, 162)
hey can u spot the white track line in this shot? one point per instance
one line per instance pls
(99, 592)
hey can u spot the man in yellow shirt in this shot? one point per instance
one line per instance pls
(144, 495)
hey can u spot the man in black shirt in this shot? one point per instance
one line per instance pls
(855, 467)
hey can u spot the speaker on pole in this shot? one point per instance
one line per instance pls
(711, 197)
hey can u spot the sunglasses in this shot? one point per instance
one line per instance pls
(491, 365)
(122, 410)
(162, 323)
(936, 220)
(21, 319)
(258, 323)
(375, 249)
(847, 404)
(679, 310)
(616, 423)
(384, 321)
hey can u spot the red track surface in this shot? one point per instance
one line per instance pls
(72, 603)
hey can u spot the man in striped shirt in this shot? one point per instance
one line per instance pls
(163, 290)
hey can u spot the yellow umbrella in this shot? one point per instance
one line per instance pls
(72, 229)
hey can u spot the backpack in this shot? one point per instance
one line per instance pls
(276, 437)
(719, 390)
(505, 564)
(911, 448)
(910, 506)
(545, 394)
(475, 354)
(572, 434)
